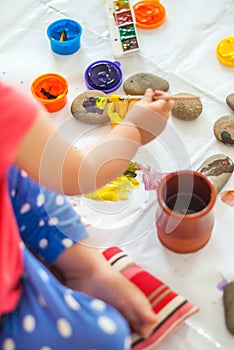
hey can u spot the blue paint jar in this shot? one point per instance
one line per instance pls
(64, 36)
(104, 75)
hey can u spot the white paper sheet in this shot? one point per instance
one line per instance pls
(181, 50)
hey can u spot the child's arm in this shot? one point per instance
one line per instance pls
(84, 268)
(46, 156)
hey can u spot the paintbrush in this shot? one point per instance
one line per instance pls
(118, 98)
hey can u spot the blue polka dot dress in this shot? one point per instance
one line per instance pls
(50, 316)
(46, 220)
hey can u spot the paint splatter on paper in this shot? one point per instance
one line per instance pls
(151, 178)
(222, 283)
(228, 197)
(120, 188)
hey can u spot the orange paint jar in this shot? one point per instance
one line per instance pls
(149, 14)
(51, 90)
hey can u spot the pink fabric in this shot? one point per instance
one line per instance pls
(18, 112)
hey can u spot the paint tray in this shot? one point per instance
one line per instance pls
(122, 29)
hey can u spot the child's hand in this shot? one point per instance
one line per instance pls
(149, 115)
(163, 107)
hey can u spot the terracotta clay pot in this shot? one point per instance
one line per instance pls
(185, 212)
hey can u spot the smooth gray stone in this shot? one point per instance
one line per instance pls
(187, 109)
(224, 129)
(230, 101)
(228, 301)
(218, 168)
(89, 114)
(137, 83)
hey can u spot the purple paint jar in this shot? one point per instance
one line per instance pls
(103, 75)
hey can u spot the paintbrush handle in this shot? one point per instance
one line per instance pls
(118, 98)
(160, 97)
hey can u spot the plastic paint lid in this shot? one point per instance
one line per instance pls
(64, 35)
(51, 90)
(149, 14)
(103, 75)
(225, 51)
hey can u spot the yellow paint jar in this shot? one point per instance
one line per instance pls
(225, 51)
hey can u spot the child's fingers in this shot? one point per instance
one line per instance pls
(161, 106)
(148, 96)
(164, 105)
(159, 93)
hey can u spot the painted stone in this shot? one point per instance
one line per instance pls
(218, 168)
(230, 101)
(187, 109)
(224, 129)
(228, 302)
(85, 108)
(137, 83)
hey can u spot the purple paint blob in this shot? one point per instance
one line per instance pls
(222, 284)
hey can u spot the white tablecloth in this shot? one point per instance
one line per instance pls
(182, 51)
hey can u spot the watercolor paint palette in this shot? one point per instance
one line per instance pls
(122, 29)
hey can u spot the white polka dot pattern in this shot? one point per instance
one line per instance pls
(70, 317)
(22, 228)
(43, 243)
(23, 173)
(71, 302)
(25, 208)
(67, 242)
(13, 193)
(53, 221)
(41, 223)
(98, 305)
(64, 328)
(40, 199)
(106, 324)
(29, 323)
(44, 276)
(9, 344)
(59, 200)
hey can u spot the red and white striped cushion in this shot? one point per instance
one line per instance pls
(172, 309)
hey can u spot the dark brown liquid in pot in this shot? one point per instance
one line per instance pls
(185, 203)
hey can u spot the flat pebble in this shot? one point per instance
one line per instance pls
(230, 101)
(228, 301)
(218, 168)
(137, 83)
(187, 109)
(85, 109)
(224, 129)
